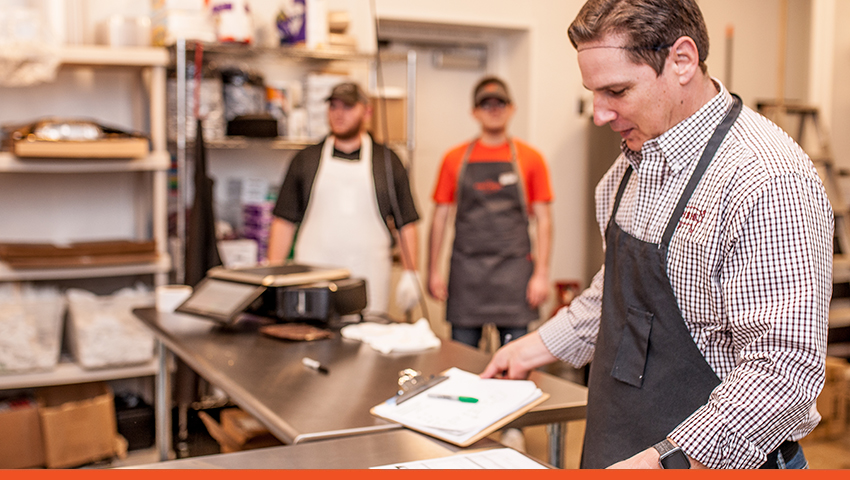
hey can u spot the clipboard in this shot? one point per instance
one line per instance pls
(378, 411)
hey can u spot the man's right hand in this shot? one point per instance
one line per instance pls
(437, 287)
(517, 359)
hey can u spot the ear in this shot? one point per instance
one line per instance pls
(684, 56)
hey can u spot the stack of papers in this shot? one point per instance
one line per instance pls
(458, 422)
(498, 458)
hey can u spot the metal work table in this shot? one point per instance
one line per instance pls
(265, 377)
(366, 451)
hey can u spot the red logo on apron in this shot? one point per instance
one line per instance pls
(488, 186)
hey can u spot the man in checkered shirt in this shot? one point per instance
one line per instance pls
(707, 324)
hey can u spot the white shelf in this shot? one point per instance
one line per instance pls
(156, 161)
(103, 56)
(161, 265)
(67, 373)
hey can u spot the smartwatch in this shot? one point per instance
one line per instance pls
(672, 456)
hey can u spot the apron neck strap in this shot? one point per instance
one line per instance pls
(514, 163)
(707, 155)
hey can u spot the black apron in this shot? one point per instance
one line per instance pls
(647, 375)
(491, 258)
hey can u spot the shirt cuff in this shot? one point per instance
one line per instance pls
(705, 437)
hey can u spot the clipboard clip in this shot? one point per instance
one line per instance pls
(412, 383)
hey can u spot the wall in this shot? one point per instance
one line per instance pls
(547, 86)
(756, 42)
(840, 120)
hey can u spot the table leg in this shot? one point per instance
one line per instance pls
(557, 433)
(162, 408)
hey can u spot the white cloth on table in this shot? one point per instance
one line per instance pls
(395, 337)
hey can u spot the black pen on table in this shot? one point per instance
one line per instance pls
(315, 365)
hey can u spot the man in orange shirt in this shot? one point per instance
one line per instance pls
(497, 184)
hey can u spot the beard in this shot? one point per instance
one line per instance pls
(349, 133)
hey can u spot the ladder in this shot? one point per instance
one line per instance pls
(816, 144)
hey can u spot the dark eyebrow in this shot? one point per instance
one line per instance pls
(613, 86)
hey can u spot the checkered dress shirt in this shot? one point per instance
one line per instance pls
(751, 267)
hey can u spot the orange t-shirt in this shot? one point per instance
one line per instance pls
(535, 173)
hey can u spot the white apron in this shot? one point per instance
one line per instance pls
(342, 226)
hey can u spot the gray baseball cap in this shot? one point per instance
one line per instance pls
(491, 87)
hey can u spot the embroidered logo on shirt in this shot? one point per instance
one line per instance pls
(691, 218)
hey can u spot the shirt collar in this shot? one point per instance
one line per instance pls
(681, 145)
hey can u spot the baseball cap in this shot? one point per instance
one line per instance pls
(349, 92)
(491, 87)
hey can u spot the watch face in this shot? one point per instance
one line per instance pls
(675, 459)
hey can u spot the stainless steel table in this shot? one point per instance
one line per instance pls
(266, 378)
(383, 448)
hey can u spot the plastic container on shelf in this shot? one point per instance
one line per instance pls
(30, 329)
(102, 330)
(211, 108)
(244, 92)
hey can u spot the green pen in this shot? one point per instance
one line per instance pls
(453, 397)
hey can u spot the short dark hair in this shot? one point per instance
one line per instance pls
(651, 27)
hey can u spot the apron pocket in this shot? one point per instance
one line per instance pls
(634, 343)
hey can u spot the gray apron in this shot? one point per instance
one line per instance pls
(647, 375)
(491, 258)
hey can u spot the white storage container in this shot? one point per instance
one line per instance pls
(102, 330)
(30, 329)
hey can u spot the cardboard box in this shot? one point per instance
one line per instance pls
(238, 431)
(834, 401)
(396, 112)
(20, 442)
(77, 423)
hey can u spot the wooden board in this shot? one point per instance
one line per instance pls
(106, 148)
(8, 250)
(83, 254)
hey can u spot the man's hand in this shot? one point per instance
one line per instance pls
(518, 358)
(645, 460)
(537, 290)
(437, 287)
(648, 460)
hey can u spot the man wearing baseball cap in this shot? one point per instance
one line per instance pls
(337, 195)
(497, 184)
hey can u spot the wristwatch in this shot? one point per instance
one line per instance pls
(672, 456)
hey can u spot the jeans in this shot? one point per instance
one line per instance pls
(472, 335)
(797, 462)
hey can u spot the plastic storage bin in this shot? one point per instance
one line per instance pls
(102, 330)
(30, 329)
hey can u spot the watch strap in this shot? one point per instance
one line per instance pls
(671, 456)
(664, 447)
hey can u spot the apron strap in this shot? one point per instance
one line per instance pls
(707, 155)
(514, 163)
